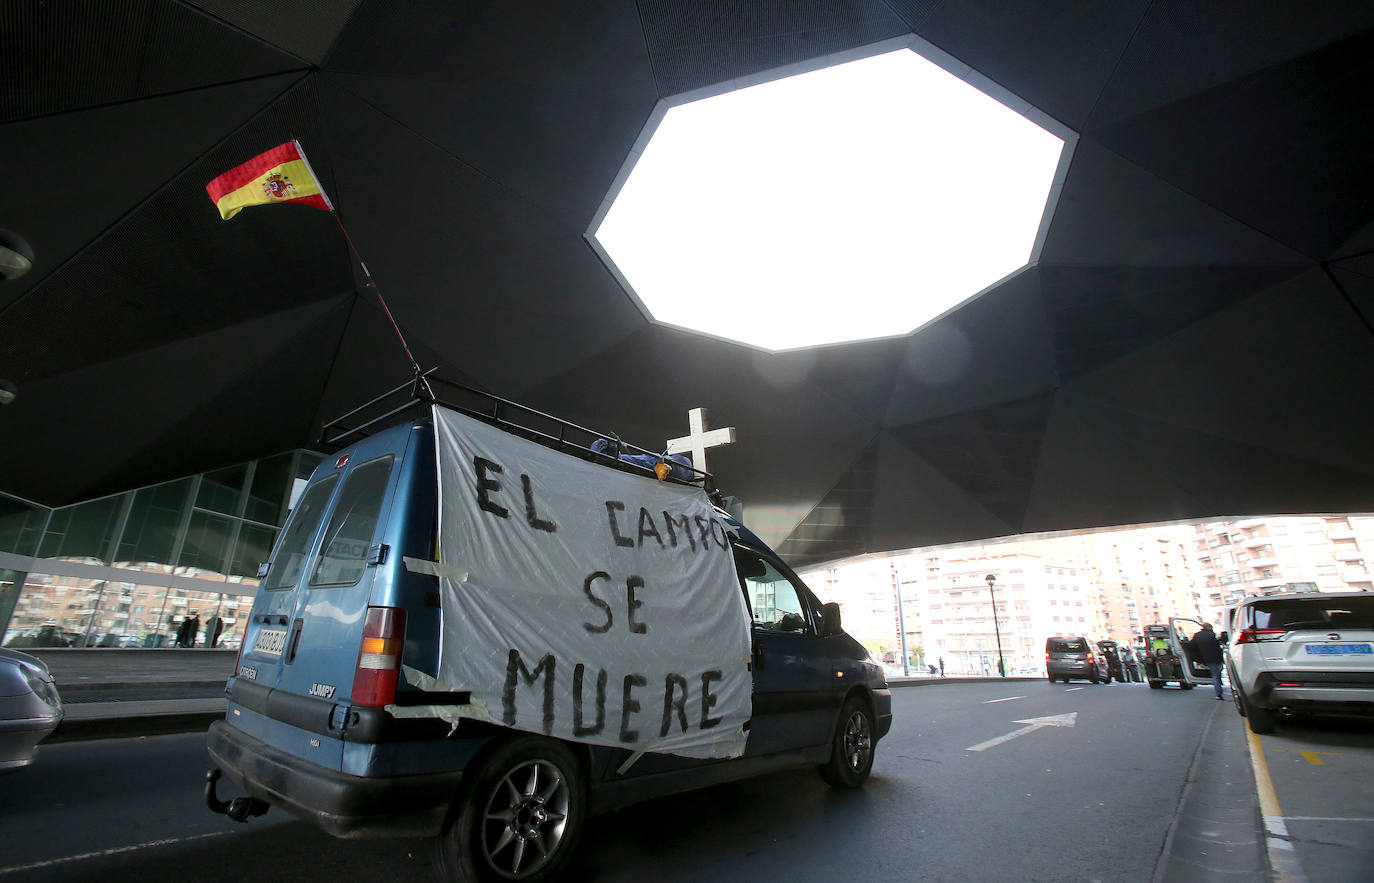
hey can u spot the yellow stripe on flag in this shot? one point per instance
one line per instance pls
(287, 182)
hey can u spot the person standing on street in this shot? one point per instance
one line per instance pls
(1209, 653)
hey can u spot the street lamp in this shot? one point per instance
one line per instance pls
(992, 580)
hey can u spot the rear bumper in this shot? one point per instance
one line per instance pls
(1318, 691)
(342, 805)
(1071, 670)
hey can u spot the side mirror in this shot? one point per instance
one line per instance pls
(830, 619)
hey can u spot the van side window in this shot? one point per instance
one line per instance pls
(343, 553)
(772, 597)
(295, 541)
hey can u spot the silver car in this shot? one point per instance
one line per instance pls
(30, 708)
(1311, 653)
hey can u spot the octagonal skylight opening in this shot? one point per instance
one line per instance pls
(854, 197)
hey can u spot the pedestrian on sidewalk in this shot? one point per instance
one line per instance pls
(192, 626)
(214, 627)
(1209, 653)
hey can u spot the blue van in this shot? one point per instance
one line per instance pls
(322, 723)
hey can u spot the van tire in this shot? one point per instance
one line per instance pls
(540, 785)
(851, 750)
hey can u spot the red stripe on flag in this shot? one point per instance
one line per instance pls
(314, 199)
(253, 169)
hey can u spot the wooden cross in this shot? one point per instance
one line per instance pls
(699, 439)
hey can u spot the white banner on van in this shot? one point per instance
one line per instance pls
(598, 606)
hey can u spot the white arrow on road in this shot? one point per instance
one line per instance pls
(1034, 723)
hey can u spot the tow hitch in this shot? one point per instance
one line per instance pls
(239, 809)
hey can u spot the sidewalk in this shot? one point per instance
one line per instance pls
(113, 694)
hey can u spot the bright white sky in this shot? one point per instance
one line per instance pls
(848, 203)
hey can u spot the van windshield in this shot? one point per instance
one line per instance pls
(295, 540)
(1078, 646)
(1315, 613)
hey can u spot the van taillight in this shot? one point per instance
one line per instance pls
(1251, 636)
(379, 657)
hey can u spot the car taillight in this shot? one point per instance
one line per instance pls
(1251, 636)
(1091, 658)
(379, 657)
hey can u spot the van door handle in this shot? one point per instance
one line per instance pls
(295, 641)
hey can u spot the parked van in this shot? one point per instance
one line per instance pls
(405, 672)
(1169, 655)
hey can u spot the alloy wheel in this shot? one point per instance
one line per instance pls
(524, 819)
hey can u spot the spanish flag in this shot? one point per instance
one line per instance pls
(282, 174)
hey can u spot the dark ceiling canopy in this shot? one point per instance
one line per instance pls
(1193, 340)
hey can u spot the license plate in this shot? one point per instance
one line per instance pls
(1340, 650)
(271, 641)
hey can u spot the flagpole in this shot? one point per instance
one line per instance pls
(371, 282)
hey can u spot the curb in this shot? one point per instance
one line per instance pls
(70, 689)
(928, 682)
(128, 727)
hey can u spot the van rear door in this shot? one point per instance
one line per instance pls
(330, 598)
(1182, 631)
(306, 626)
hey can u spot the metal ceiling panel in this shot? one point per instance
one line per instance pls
(1279, 370)
(95, 424)
(59, 57)
(990, 453)
(992, 350)
(305, 28)
(1057, 56)
(1228, 39)
(1284, 151)
(696, 45)
(73, 176)
(1097, 315)
(1161, 361)
(1114, 213)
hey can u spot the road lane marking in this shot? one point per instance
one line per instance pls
(1323, 819)
(1008, 699)
(1071, 689)
(1311, 756)
(14, 869)
(1035, 723)
(1282, 857)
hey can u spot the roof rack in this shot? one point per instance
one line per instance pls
(413, 398)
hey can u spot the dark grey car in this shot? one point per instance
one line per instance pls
(1074, 657)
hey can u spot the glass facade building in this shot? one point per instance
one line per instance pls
(127, 570)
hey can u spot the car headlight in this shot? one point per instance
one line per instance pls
(41, 688)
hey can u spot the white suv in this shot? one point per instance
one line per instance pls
(1311, 652)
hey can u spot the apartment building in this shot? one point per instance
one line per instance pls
(1266, 556)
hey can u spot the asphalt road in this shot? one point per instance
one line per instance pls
(1313, 764)
(1091, 801)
